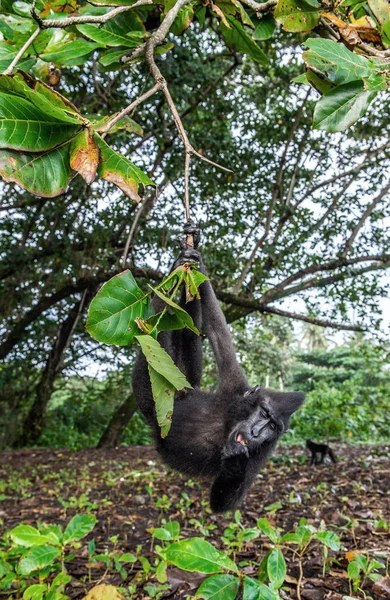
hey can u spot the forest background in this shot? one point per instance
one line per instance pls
(294, 232)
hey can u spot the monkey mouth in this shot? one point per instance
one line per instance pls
(241, 440)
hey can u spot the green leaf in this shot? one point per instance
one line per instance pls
(321, 84)
(297, 15)
(47, 174)
(237, 38)
(44, 98)
(125, 123)
(381, 10)
(337, 62)
(119, 170)
(35, 592)
(276, 567)
(25, 127)
(27, 536)
(173, 527)
(196, 554)
(161, 362)
(71, 53)
(265, 29)
(108, 38)
(163, 394)
(113, 311)
(329, 538)
(219, 587)
(78, 527)
(265, 526)
(181, 314)
(256, 590)
(341, 107)
(38, 558)
(161, 534)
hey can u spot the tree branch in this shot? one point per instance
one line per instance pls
(23, 49)
(255, 305)
(363, 218)
(279, 291)
(100, 19)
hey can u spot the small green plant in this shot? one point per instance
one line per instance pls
(33, 554)
(362, 568)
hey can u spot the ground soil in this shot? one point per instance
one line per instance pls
(124, 488)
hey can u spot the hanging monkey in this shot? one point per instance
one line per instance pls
(227, 435)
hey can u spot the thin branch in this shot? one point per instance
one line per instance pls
(313, 320)
(314, 282)
(100, 19)
(255, 305)
(363, 218)
(140, 209)
(275, 195)
(118, 116)
(23, 49)
(331, 265)
(258, 7)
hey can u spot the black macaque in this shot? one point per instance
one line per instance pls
(322, 449)
(227, 435)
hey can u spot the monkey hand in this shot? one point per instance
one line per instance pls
(234, 458)
(188, 255)
(192, 228)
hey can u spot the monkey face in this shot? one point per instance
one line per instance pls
(264, 418)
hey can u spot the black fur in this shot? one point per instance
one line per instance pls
(322, 449)
(225, 436)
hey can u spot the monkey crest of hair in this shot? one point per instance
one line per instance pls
(227, 435)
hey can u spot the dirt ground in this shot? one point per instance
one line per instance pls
(130, 491)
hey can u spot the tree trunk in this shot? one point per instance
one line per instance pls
(112, 434)
(33, 424)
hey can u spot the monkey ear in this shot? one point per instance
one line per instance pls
(285, 404)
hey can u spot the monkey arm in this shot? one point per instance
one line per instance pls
(231, 376)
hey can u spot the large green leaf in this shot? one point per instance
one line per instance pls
(38, 558)
(182, 315)
(163, 393)
(276, 567)
(237, 38)
(113, 311)
(196, 554)
(47, 174)
(108, 38)
(341, 107)
(23, 126)
(119, 170)
(27, 536)
(338, 63)
(297, 15)
(161, 362)
(78, 527)
(219, 587)
(71, 53)
(265, 28)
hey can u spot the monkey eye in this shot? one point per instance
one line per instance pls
(273, 426)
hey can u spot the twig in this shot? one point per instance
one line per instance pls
(363, 218)
(262, 7)
(134, 224)
(100, 19)
(118, 116)
(255, 305)
(23, 49)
